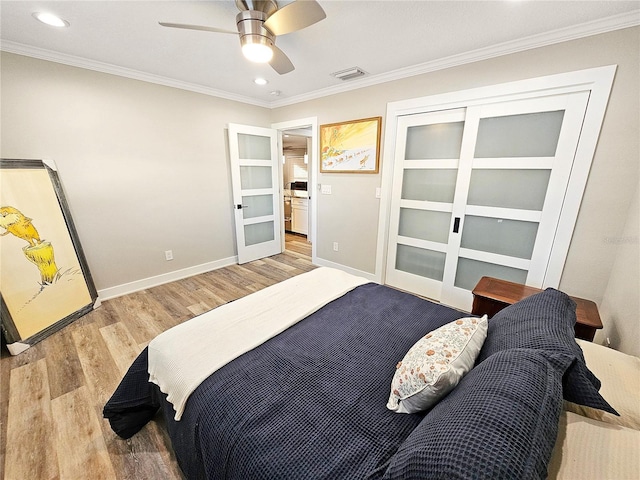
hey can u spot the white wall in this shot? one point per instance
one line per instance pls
(145, 167)
(349, 215)
(620, 305)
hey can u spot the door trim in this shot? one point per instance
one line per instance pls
(597, 81)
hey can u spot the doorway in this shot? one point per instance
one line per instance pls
(296, 145)
(297, 141)
(295, 173)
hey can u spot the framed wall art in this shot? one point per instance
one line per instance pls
(45, 282)
(351, 147)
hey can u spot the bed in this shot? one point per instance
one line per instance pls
(360, 381)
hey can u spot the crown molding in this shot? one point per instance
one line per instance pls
(596, 27)
(74, 61)
(604, 25)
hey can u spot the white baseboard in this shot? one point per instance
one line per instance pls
(353, 271)
(138, 285)
(126, 288)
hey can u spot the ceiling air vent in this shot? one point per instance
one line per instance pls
(350, 73)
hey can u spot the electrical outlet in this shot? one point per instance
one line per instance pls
(168, 255)
(335, 246)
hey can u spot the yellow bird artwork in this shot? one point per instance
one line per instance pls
(38, 251)
(14, 222)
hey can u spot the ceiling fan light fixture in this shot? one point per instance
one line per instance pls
(256, 41)
(256, 51)
(258, 23)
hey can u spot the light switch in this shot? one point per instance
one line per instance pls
(378, 192)
(326, 189)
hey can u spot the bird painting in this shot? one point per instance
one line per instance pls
(38, 251)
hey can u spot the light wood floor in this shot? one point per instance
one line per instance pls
(297, 243)
(52, 395)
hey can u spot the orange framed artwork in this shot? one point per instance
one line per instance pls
(351, 147)
(45, 282)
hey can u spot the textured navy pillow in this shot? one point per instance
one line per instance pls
(545, 321)
(501, 421)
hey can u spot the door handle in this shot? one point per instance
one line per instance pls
(240, 207)
(456, 224)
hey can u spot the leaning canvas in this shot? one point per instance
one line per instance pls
(44, 279)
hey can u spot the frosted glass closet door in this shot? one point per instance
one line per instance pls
(254, 173)
(426, 171)
(510, 191)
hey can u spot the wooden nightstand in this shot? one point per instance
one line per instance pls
(492, 295)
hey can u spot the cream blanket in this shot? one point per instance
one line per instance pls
(181, 358)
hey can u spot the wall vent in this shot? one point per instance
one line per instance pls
(350, 73)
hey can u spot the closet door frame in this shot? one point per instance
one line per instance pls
(597, 82)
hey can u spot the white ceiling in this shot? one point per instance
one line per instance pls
(387, 39)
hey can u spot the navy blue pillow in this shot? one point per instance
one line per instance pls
(545, 322)
(501, 421)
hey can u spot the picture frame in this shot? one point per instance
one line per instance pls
(351, 147)
(45, 282)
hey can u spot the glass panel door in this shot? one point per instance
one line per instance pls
(254, 175)
(512, 190)
(479, 192)
(425, 178)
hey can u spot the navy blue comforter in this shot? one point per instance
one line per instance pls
(310, 403)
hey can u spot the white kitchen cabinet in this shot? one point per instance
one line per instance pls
(300, 215)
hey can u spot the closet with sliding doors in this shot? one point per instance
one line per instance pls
(488, 182)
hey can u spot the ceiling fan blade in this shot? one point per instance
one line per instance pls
(295, 16)
(196, 27)
(280, 62)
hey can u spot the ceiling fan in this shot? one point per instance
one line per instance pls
(260, 21)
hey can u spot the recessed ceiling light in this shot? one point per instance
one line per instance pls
(50, 19)
(275, 93)
(260, 81)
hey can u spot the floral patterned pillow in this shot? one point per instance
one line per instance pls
(435, 364)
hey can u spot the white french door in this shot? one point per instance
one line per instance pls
(479, 191)
(256, 193)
